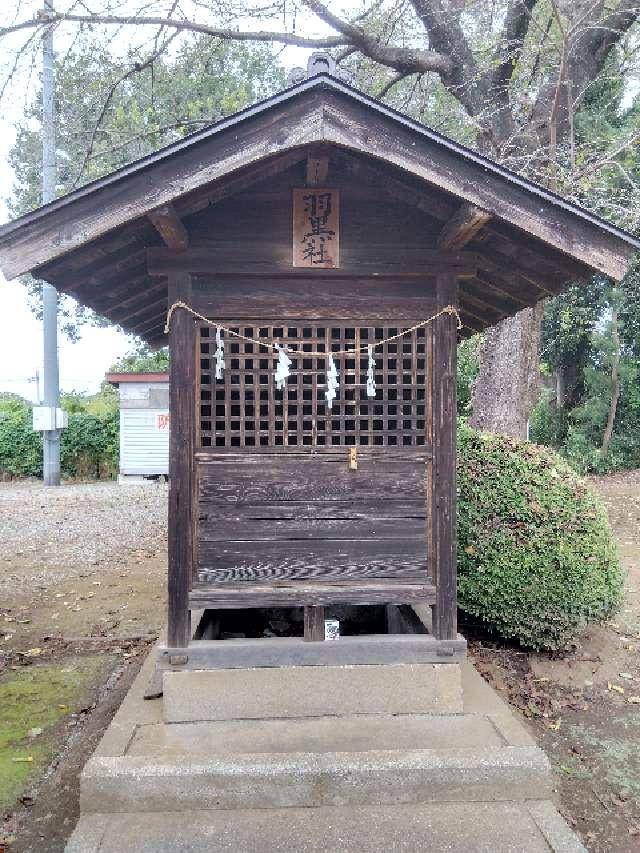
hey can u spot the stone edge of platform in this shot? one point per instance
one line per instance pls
(93, 829)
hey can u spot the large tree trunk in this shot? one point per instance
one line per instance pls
(508, 385)
(615, 383)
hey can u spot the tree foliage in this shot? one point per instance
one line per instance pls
(590, 333)
(142, 359)
(114, 109)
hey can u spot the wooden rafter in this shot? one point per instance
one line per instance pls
(489, 282)
(486, 300)
(100, 275)
(462, 227)
(439, 206)
(158, 297)
(147, 325)
(170, 227)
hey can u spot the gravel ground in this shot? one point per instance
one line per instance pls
(83, 560)
(52, 535)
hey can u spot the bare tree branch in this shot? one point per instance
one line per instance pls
(391, 82)
(446, 36)
(404, 60)
(180, 25)
(516, 26)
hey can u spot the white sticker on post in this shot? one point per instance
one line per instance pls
(331, 629)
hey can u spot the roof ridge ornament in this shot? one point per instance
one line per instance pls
(318, 63)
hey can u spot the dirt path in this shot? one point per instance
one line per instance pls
(83, 571)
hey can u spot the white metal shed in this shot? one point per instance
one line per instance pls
(144, 424)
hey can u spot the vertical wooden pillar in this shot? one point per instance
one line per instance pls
(182, 348)
(313, 623)
(443, 486)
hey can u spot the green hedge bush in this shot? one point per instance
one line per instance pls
(89, 446)
(536, 558)
(20, 446)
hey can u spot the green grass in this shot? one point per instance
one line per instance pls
(40, 697)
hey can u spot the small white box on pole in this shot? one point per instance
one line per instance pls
(46, 418)
(62, 419)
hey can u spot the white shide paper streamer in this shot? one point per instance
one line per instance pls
(371, 376)
(283, 368)
(219, 354)
(332, 381)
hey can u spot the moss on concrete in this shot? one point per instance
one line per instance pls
(33, 702)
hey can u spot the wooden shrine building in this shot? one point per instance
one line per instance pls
(338, 250)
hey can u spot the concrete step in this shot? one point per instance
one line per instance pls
(348, 734)
(368, 771)
(457, 828)
(311, 691)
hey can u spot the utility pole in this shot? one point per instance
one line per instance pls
(51, 436)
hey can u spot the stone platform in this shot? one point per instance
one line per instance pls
(367, 758)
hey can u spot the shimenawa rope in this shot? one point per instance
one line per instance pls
(277, 347)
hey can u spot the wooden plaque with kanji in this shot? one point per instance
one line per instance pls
(316, 228)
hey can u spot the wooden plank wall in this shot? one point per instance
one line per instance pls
(284, 516)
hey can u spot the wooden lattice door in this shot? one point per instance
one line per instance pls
(327, 501)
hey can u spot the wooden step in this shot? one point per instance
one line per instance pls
(227, 596)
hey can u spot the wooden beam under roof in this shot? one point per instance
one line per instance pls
(470, 323)
(170, 227)
(317, 168)
(493, 284)
(440, 208)
(488, 300)
(462, 227)
(207, 260)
